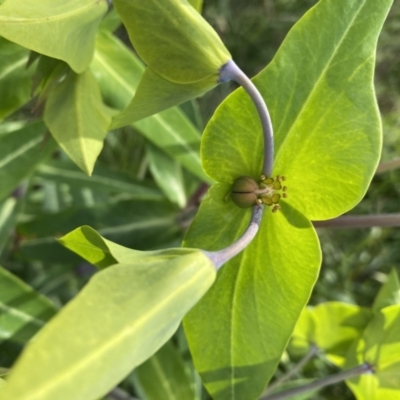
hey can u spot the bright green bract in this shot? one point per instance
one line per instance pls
(380, 347)
(319, 91)
(71, 25)
(123, 316)
(77, 118)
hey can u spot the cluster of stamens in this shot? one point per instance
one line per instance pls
(268, 192)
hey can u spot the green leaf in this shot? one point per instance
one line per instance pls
(118, 72)
(321, 98)
(163, 376)
(58, 29)
(111, 21)
(77, 118)
(197, 4)
(124, 314)
(14, 77)
(23, 312)
(257, 298)
(379, 346)
(139, 224)
(21, 151)
(389, 293)
(155, 94)
(173, 39)
(102, 180)
(101, 252)
(7, 220)
(332, 327)
(293, 384)
(168, 175)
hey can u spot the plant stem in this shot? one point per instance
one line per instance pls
(388, 166)
(220, 257)
(230, 71)
(361, 221)
(320, 383)
(313, 351)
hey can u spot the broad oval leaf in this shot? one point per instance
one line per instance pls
(250, 312)
(173, 39)
(320, 94)
(57, 28)
(122, 317)
(389, 294)
(380, 347)
(77, 118)
(332, 327)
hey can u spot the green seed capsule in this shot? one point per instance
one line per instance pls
(243, 192)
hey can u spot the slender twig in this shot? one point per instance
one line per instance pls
(388, 166)
(361, 221)
(230, 71)
(220, 257)
(312, 352)
(320, 383)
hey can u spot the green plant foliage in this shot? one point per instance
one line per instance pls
(20, 153)
(379, 346)
(14, 77)
(173, 39)
(23, 312)
(183, 54)
(168, 174)
(271, 278)
(327, 145)
(332, 327)
(122, 317)
(7, 220)
(163, 376)
(197, 4)
(119, 72)
(102, 180)
(140, 224)
(389, 293)
(72, 26)
(77, 118)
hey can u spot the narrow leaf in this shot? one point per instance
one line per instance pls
(121, 318)
(168, 175)
(7, 220)
(23, 312)
(14, 77)
(118, 72)
(163, 376)
(21, 151)
(56, 28)
(197, 4)
(77, 118)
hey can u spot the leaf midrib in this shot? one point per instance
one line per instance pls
(21, 150)
(321, 76)
(119, 337)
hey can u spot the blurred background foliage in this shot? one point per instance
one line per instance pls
(142, 198)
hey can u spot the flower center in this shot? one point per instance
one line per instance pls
(271, 191)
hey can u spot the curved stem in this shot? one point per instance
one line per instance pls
(320, 383)
(230, 71)
(220, 257)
